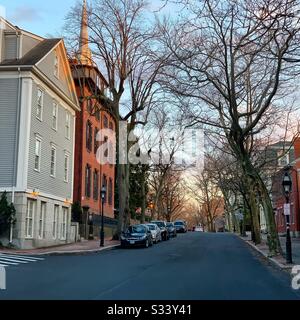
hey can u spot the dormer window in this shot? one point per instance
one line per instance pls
(40, 100)
(56, 66)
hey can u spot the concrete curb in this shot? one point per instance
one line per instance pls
(272, 260)
(67, 252)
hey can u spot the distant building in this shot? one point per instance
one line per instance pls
(272, 160)
(291, 158)
(38, 103)
(90, 175)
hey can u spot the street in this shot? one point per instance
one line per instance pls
(192, 266)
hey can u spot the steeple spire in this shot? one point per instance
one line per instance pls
(84, 50)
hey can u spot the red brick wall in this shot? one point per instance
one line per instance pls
(83, 157)
(294, 197)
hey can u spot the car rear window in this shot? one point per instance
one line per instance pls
(137, 229)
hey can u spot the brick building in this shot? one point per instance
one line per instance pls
(291, 158)
(89, 175)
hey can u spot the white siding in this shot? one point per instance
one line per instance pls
(42, 180)
(8, 122)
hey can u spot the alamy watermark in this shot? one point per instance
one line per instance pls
(2, 278)
(296, 277)
(180, 147)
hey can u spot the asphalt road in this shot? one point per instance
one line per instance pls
(192, 266)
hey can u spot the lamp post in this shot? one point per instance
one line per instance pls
(287, 188)
(103, 194)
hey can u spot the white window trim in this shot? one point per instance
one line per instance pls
(56, 65)
(37, 138)
(56, 122)
(43, 215)
(68, 125)
(42, 106)
(67, 155)
(55, 221)
(54, 174)
(27, 218)
(64, 223)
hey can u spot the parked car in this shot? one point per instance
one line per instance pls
(199, 229)
(155, 231)
(137, 235)
(171, 229)
(163, 229)
(180, 226)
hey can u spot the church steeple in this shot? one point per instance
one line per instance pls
(85, 54)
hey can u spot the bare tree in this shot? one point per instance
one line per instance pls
(230, 59)
(123, 47)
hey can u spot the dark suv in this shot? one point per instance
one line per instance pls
(172, 230)
(163, 228)
(180, 226)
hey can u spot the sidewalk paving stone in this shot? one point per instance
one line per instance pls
(84, 246)
(279, 260)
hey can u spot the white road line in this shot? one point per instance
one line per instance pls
(16, 256)
(3, 265)
(23, 258)
(12, 260)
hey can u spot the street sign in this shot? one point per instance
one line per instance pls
(287, 209)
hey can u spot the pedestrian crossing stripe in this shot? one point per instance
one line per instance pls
(7, 260)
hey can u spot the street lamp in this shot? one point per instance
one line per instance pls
(103, 194)
(287, 188)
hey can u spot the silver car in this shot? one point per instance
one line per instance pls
(155, 231)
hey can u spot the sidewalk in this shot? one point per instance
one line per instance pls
(278, 260)
(84, 246)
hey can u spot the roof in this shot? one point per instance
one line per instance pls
(34, 55)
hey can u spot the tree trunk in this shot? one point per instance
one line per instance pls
(122, 197)
(272, 237)
(143, 194)
(255, 183)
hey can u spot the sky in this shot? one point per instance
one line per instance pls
(43, 17)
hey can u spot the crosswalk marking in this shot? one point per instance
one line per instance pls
(13, 260)
(20, 256)
(7, 260)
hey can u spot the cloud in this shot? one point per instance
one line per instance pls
(25, 14)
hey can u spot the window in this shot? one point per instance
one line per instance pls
(96, 143)
(37, 159)
(63, 230)
(111, 126)
(53, 162)
(89, 134)
(106, 150)
(54, 115)
(89, 106)
(88, 181)
(283, 158)
(104, 183)
(42, 219)
(105, 122)
(55, 218)
(67, 125)
(40, 100)
(66, 168)
(96, 185)
(97, 114)
(110, 191)
(56, 66)
(29, 218)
